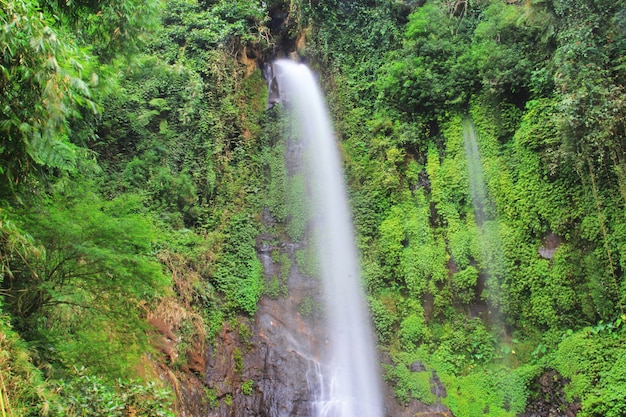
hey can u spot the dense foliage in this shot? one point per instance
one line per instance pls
(137, 158)
(502, 261)
(127, 196)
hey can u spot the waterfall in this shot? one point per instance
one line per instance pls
(475, 171)
(487, 223)
(348, 383)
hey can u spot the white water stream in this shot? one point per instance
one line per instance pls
(476, 179)
(348, 382)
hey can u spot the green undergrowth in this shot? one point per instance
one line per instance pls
(592, 359)
(486, 369)
(130, 193)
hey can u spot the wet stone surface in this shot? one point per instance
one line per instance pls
(551, 401)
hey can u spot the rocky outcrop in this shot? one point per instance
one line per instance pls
(260, 377)
(415, 408)
(263, 367)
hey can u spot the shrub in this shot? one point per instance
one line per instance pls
(409, 384)
(384, 319)
(593, 359)
(239, 273)
(91, 396)
(464, 284)
(413, 331)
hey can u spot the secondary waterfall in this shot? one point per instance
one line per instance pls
(348, 383)
(487, 223)
(475, 172)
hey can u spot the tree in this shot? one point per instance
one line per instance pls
(90, 268)
(42, 87)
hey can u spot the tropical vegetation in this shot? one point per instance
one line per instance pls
(137, 155)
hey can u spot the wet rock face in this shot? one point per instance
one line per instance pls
(549, 244)
(413, 408)
(417, 366)
(271, 384)
(284, 389)
(267, 381)
(284, 340)
(436, 387)
(263, 366)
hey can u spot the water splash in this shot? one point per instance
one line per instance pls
(348, 378)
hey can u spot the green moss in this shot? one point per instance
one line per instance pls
(211, 397)
(494, 392)
(413, 331)
(285, 267)
(410, 384)
(273, 288)
(309, 307)
(238, 360)
(247, 387)
(278, 181)
(592, 359)
(384, 316)
(239, 272)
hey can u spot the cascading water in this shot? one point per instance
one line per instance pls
(348, 384)
(475, 171)
(490, 244)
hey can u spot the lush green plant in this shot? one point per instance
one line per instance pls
(203, 26)
(45, 84)
(309, 307)
(239, 273)
(413, 331)
(278, 183)
(410, 384)
(23, 389)
(273, 288)
(85, 283)
(593, 360)
(91, 396)
(497, 392)
(434, 69)
(307, 262)
(211, 397)
(238, 360)
(464, 283)
(384, 316)
(247, 387)
(296, 207)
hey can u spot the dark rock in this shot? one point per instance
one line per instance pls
(436, 386)
(417, 366)
(550, 398)
(549, 245)
(278, 358)
(414, 408)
